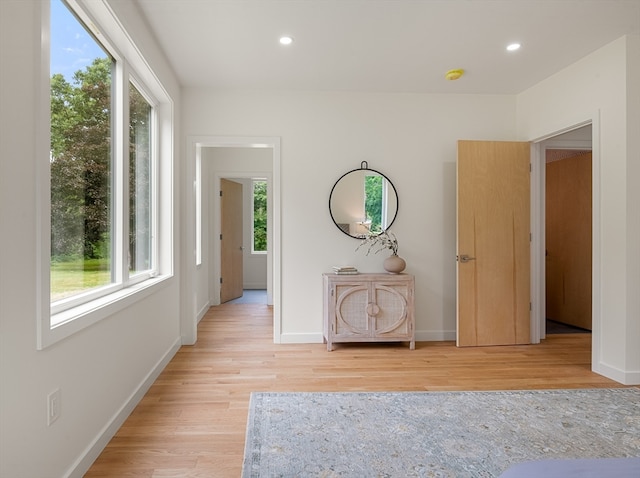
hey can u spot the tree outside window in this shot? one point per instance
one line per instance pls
(259, 216)
(373, 202)
(81, 170)
(89, 249)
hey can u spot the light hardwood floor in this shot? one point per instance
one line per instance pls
(192, 421)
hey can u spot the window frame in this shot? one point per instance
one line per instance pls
(135, 277)
(65, 317)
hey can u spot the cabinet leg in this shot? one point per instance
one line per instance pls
(412, 345)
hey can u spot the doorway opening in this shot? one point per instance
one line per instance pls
(238, 166)
(204, 273)
(566, 211)
(243, 236)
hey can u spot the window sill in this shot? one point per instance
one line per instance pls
(54, 328)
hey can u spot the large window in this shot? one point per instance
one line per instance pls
(104, 167)
(81, 158)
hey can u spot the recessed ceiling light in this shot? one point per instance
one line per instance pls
(286, 40)
(513, 47)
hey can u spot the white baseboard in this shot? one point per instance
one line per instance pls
(308, 338)
(202, 312)
(93, 450)
(621, 376)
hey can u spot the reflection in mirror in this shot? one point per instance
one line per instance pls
(363, 200)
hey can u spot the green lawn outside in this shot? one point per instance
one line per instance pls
(71, 277)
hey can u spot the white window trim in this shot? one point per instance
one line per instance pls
(53, 327)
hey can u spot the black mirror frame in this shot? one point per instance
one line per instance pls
(364, 167)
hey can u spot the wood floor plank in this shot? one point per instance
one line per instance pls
(192, 421)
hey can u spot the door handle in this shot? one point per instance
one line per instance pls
(465, 258)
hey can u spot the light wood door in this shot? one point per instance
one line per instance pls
(231, 250)
(568, 240)
(493, 243)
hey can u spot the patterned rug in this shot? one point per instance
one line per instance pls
(434, 434)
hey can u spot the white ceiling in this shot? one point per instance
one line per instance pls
(382, 45)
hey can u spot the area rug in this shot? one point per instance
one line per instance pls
(434, 434)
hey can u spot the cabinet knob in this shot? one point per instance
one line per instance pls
(372, 309)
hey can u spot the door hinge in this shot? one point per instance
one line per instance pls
(221, 280)
(221, 193)
(530, 306)
(530, 168)
(220, 236)
(530, 237)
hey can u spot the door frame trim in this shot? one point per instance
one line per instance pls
(538, 185)
(191, 230)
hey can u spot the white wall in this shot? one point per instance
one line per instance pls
(604, 87)
(410, 138)
(202, 273)
(101, 370)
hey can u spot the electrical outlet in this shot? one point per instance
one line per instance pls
(54, 406)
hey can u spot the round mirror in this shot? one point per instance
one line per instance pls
(363, 201)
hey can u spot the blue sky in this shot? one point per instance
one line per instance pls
(72, 48)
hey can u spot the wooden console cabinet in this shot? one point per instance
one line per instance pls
(369, 308)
